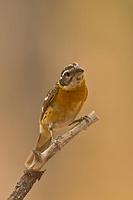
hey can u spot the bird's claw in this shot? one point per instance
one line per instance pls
(77, 121)
(57, 142)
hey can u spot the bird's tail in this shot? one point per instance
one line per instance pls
(42, 144)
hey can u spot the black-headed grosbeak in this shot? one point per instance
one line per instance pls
(61, 105)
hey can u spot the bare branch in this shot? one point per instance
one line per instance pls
(33, 173)
(25, 184)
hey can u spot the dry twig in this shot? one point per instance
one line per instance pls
(33, 174)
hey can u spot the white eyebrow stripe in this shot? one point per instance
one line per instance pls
(65, 72)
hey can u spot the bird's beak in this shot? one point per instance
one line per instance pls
(79, 70)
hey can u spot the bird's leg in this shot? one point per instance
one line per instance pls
(54, 140)
(77, 121)
(50, 129)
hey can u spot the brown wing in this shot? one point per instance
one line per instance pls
(48, 99)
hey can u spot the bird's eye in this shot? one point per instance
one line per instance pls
(67, 74)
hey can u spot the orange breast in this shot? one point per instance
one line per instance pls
(69, 98)
(66, 105)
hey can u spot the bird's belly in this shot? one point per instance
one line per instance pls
(61, 116)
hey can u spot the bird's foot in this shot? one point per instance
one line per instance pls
(57, 142)
(77, 121)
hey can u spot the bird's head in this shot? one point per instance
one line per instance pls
(71, 76)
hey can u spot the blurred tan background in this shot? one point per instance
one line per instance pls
(37, 39)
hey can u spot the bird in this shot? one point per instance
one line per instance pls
(60, 107)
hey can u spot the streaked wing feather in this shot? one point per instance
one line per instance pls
(49, 97)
